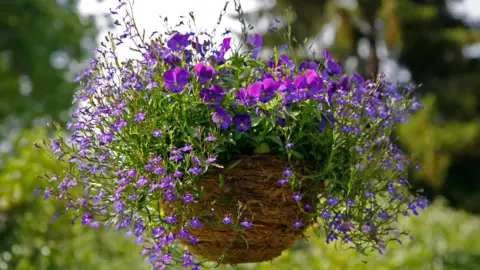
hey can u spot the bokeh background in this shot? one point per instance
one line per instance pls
(435, 43)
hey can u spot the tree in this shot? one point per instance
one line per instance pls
(40, 40)
(29, 239)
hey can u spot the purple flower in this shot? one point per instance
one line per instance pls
(250, 96)
(332, 66)
(242, 122)
(195, 170)
(227, 220)
(157, 133)
(287, 172)
(383, 215)
(283, 181)
(158, 232)
(212, 94)
(314, 83)
(325, 214)
(369, 194)
(140, 116)
(254, 44)
(344, 83)
(307, 65)
(289, 145)
(210, 138)
(366, 228)
(349, 202)
(142, 180)
(297, 196)
(246, 223)
(297, 224)
(267, 90)
(194, 222)
(86, 218)
(222, 118)
(187, 197)
(178, 42)
(204, 73)
(186, 148)
(175, 79)
(210, 159)
(332, 200)
(170, 219)
(347, 226)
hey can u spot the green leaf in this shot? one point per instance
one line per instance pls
(262, 149)
(298, 155)
(277, 140)
(256, 120)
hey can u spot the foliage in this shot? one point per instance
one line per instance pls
(40, 40)
(28, 237)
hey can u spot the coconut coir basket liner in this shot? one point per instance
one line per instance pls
(250, 191)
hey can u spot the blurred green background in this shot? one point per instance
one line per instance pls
(45, 43)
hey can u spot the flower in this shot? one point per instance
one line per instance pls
(250, 96)
(178, 41)
(246, 223)
(175, 79)
(140, 116)
(204, 73)
(222, 118)
(194, 222)
(227, 220)
(212, 94)
(254, 44)
(157, 133)
(242, 122)
(267, 90)
(332, 66)
(296, 196)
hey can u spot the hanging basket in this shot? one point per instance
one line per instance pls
(250, 190)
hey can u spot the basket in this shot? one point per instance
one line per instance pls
(250, 190)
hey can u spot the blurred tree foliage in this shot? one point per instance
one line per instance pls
(39, 39)
(423, 37)
(28, 237)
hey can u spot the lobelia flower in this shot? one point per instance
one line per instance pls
(254, 44)
(175, 79)
(222, 118)
(242, 122)
(204, 73)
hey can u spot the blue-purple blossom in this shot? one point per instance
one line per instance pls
(246, 223)
(296, 196)
(204, 73)
(227, 220)
(178, 41)
(242, 122)
(213, 94)
(175, 79)
(254, 44)
(222, 118)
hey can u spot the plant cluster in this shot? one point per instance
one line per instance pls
(145, 130)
